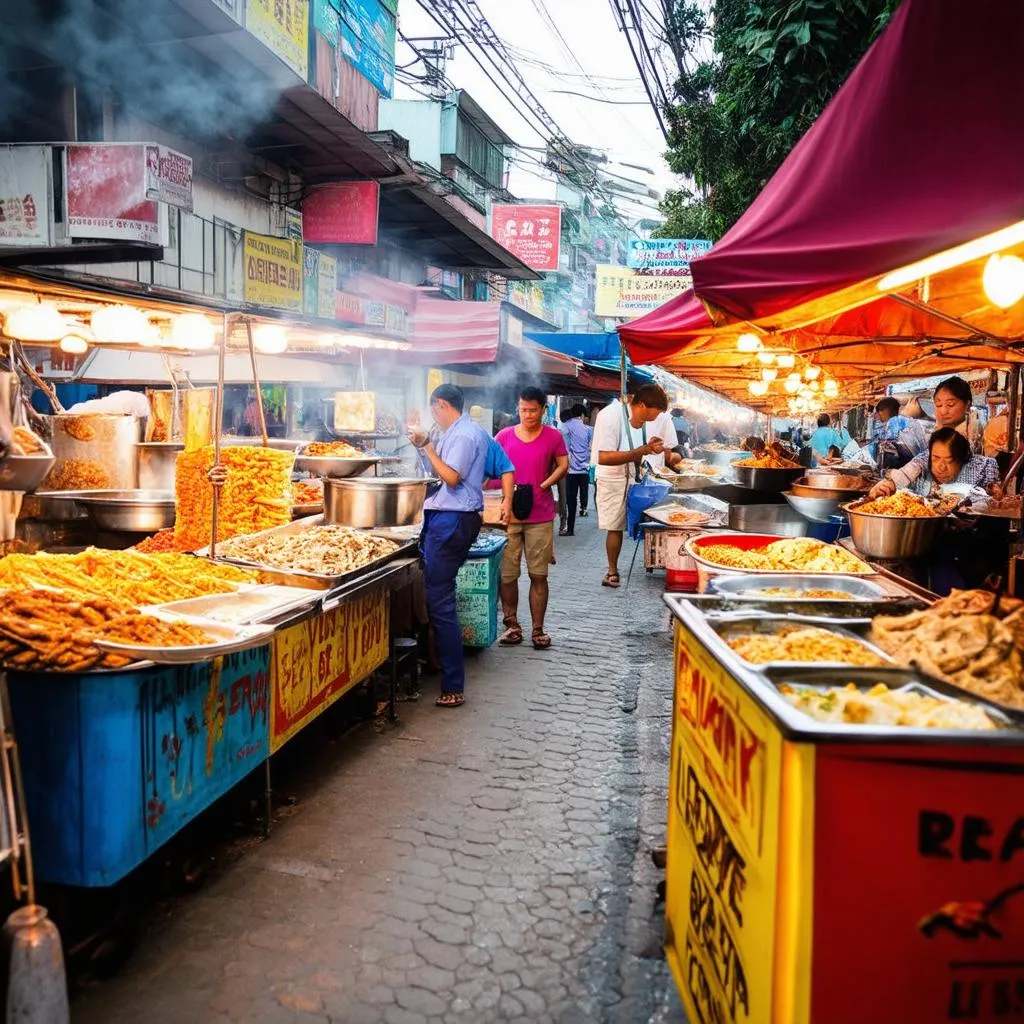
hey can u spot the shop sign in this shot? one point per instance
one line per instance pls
(205, 727)
(169, 177)
(310, 280)
(670, 256)
(529, 297)
(26, 211)
(626, 293)
(273, 271)
(341, 213)
(293, 224)
(283, 26)
(532, 233)
(327, 19)
(104, 193)
(724, 801)
(375, 314)
(396, 319)
(319, 660)
(350, 308)
(368, 42)
(327, 287)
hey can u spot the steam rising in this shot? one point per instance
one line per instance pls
(132, 49)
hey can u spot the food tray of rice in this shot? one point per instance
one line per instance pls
(768, 553)
(765, 640)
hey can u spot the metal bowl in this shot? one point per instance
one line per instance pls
(365, 502)
(835, 479)
(128, 511)
(24, 472)
(804, 488)
(776, 519)
(751, 588)
(818, 509)
(892, 536)
(332, 468)
(723, 458)
(774, 480)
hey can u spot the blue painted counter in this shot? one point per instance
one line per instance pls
(116, 763)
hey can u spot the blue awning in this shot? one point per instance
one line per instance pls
(588, 347)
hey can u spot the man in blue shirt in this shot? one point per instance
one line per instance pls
(451, 522)
(578, 438)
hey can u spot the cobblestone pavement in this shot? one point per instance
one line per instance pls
(484, 864)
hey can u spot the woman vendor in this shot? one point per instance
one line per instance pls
(969, 554)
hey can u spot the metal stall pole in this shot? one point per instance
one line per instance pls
(256, 383)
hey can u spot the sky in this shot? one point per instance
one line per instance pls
(591, 57)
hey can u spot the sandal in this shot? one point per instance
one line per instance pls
(541, 641)
(450, 700)
(611, 579)
(512, 637)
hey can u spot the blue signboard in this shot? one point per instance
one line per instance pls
(368, 41)
(669, 256)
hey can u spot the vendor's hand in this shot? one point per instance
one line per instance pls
(218, 475)
(882, 489)
(997, 491)
(654, 447)
(505, 513)
(418, 437)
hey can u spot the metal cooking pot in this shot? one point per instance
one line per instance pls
(835, 480)
(892, 536)
(369, 501)
(94, 451)
(722, 459)
(758, 479)
(819, 508)
(157, 463)
(129, 511)
(809, 487)
(780, 520)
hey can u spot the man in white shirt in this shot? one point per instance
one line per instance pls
(624, 436)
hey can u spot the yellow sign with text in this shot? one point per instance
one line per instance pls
(273, 271)
(723, 842)
(320, 659)
(625, 293)
(283, 25)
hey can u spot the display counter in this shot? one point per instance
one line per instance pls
(831, 872)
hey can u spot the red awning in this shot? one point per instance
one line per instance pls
(920, 150)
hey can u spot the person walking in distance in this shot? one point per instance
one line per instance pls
(539, 456)
(578, 437)
(451, 522)
(626, 434)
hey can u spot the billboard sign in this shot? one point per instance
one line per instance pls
(532, 233)
(368, 42)
(273, 271)
(26, 214)
(669, 256)
(168, 177)
(626, 293)
(283, 26)
(341, 213)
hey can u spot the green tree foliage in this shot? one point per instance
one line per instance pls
(753, 78)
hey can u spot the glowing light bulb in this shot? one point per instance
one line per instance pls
(766, 358)
(270, 339)
(35, 323)
(812, 372)
(73, 344)
(785, 360)
(758, 387)
(1003, 280)
(119, 325)
(192, 331)
(831, 388)
(792, 386)
(748, 343)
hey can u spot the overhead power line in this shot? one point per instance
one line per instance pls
(630, 23)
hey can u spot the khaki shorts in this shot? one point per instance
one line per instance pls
(611, 502)
(537, 540)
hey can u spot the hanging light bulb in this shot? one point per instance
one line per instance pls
(757, 387)
(119, 325)
(831, 388)
(785, 360)
(769, 373)
(192, 331)
(1003, 279)
(765, 358)
(748, 343)
(73, 344)
(814, 386)
(43, 322)
(811, 372)
(270, 339)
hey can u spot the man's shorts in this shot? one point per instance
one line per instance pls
(611, 502)
(537, 540)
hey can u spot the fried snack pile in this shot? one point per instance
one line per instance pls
(972, 638)
(771, 457)
(882, 706)
(42, 630)
(257, 495)
(333, 450)
(77, 475)
(324, 550)
(811, 595)
(307, 492)
(26, 443)
(161, 541)
(901, 504)
(799, 554)
(128, 576)
(804, 644)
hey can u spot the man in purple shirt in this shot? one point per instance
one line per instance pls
(451, 522)
(578, 437)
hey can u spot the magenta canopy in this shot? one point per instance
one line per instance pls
(920, 150)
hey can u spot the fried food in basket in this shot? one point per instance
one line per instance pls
(882, 706)
(804, 644)
(323, 550)
(902, 505)
(128, 576)
(333, 450)
(799, 554)
(771, 457)
(257, 495)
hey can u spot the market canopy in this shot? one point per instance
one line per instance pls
(596, 346)
(874, 186)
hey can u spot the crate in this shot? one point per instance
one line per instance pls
(478, 616)
(478, 574)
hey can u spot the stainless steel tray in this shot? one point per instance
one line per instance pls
(752, 587)
(130, 511)
(330, 467)
(227, 640)
(407, 545)
(660, 514)
(251, 605)
(24, 472)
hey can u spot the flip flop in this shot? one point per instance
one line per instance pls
(611, 579)
(512, 637)
(541, 641)
(450, 700)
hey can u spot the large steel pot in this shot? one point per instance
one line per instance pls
(129, 511)
(722, 459)
(818, 508)
(780, 520)
(892, 536)
(772, 480)
(847, 489)
(365, 502)
(94, 451)
(157, 463)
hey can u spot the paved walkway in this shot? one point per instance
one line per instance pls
(484, 864)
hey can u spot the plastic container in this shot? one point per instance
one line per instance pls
(680, 568)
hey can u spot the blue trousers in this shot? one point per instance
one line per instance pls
(445, 542)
